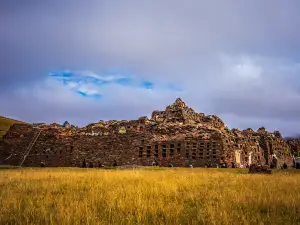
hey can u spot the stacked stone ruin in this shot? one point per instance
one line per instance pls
(178, 136)
(295, 149)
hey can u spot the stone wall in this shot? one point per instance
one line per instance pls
(294, 145)
(178, 135)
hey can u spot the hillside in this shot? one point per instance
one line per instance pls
(5, 124)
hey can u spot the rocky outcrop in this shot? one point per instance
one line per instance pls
(178, 136)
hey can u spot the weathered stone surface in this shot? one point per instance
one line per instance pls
(177, 136)
(295, 146)
(295, 149)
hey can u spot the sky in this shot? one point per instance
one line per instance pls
(85, 61)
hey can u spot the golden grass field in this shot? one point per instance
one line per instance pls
(148, 196)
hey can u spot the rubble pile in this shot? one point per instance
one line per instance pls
(178, 136)
(259, 169)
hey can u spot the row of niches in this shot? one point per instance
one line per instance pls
(188, 144)
(277, 146)
(203, 145)
(177, 150)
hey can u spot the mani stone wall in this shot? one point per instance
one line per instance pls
(178, 135)
(141, 148)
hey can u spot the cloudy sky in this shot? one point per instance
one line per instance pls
(83, 61)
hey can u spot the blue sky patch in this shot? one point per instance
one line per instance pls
(84, 94)
(148, 84)
(90, 84)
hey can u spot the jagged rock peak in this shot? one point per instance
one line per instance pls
(179, 103)
(178, 100)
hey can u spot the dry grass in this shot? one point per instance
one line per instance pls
(166, 196)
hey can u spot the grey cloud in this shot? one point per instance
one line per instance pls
(177, 42)
(49, 102)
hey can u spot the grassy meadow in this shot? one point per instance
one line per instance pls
(148, 196)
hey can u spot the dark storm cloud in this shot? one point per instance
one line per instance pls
(234, 58)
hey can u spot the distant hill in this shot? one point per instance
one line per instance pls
(297, 136)
(5, 124)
